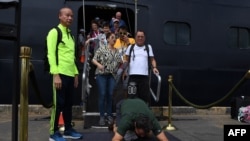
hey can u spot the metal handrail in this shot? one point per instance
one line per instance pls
(85, 76)
(157, 96)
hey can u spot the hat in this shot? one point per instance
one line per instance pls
(115, 20)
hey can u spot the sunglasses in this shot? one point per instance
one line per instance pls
(123, 33)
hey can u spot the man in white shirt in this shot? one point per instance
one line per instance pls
(140, 59)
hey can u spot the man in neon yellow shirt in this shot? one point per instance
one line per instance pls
(65, 76)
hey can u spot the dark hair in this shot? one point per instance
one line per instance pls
(94, 22)
(140, 31)
(109, 34)
(143, 122)
(123, 27)
(105, 24)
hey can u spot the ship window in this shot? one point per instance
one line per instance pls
(177, 33)
(239, 37)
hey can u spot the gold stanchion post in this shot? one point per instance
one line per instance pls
(25, 67)
(170, 126)
(247, 75)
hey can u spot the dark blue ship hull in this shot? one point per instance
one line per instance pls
(204, 69)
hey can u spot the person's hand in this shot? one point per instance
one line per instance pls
(119, 71)
(155, 70)
(76, 81)
(100, 67)
(124, 75)
(57, 81)
(87, 42)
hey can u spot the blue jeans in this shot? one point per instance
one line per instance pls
(106, 85)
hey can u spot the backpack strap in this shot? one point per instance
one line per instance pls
(147, 49)
(132, 50)
(59, 39)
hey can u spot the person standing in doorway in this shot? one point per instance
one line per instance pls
(93, 35)
(118, 16)
(65, 76)
(123, 41)
(115, 28)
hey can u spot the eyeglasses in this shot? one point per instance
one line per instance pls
(123, 33)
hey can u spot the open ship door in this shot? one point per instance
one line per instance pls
(89, 92)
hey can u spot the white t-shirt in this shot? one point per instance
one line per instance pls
(139, 60)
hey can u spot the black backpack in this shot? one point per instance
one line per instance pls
(59, 39)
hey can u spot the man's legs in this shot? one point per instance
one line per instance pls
(68, 90)
(142, 83)
(58, 106)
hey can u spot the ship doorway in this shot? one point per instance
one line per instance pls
(106, 14)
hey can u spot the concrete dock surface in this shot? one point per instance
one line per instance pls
(205, 125)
